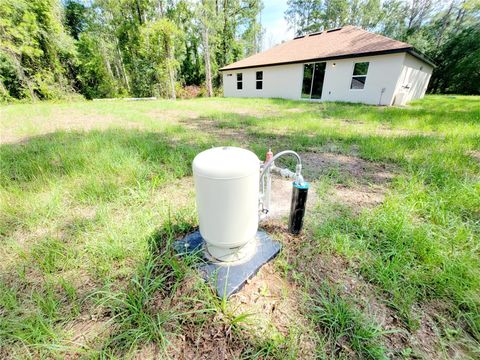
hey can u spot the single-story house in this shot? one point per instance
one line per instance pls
(344, 64)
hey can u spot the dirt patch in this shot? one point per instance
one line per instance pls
(270, 299)
(474, 154)
(173, 115)
(148, 351)
(359, 197)
(317, 164)
(227, 134)
(249, 112)
(267, 305)
(202, 336)
(296, 110)
(209, 341)
(260, 110)
(359, 183)
(85, 332)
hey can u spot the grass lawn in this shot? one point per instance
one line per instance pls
(92, 194)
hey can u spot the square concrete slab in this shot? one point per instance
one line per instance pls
(228, 278)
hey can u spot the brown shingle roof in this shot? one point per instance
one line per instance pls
(349, 41)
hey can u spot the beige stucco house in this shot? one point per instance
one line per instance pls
(345, 64)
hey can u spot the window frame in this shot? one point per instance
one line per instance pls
(259, 81)
(240, 81)
(359, 76)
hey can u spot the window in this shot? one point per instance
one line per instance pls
(259, 80)
(239, 81)
(359, 76)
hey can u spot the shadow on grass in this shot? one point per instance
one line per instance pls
(169, 311)
(71, 153)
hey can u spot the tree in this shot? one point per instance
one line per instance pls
(208, 23)
(75, 18)
(458, 64)
(303, 15)
(35, 50)
(160, 38)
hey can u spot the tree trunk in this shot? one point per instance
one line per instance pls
(208, 69)
(141, 19)
(3, 90)
(122, 65)
(170, 70)
(224, 37)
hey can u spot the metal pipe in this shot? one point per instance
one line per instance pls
(298, 169)
(265, 186)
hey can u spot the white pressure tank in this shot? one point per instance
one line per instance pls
(227, 190)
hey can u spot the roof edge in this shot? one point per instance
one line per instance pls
(422, 57)
(410, 50)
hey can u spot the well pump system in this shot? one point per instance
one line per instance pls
(299, 191)
(233, 190)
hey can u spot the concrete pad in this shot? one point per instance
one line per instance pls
(228, 278)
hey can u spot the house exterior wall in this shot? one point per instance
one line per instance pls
(413, 80)
(382, 75)
(281, 81)
(386, 76)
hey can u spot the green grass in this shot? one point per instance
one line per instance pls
(92, 195)
(341, 322)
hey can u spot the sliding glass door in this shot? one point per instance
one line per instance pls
(313, 75)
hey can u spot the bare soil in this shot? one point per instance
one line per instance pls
(323, 163)
(85, 332)
(173, 115)
(275, 305)
(475, 154)
(211, 127)
(359, 184)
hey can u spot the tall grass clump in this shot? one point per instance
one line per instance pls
(342, 326)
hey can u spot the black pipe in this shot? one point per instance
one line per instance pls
(297, 208)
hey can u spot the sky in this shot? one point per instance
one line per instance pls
(276, 27)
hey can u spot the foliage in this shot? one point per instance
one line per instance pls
(105, 48)
(458, 68)
(35, 52)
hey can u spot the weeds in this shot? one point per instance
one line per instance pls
(344, 327)
(81, 209)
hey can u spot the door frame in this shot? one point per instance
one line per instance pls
(313, 79)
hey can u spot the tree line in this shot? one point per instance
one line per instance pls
(52, 49)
